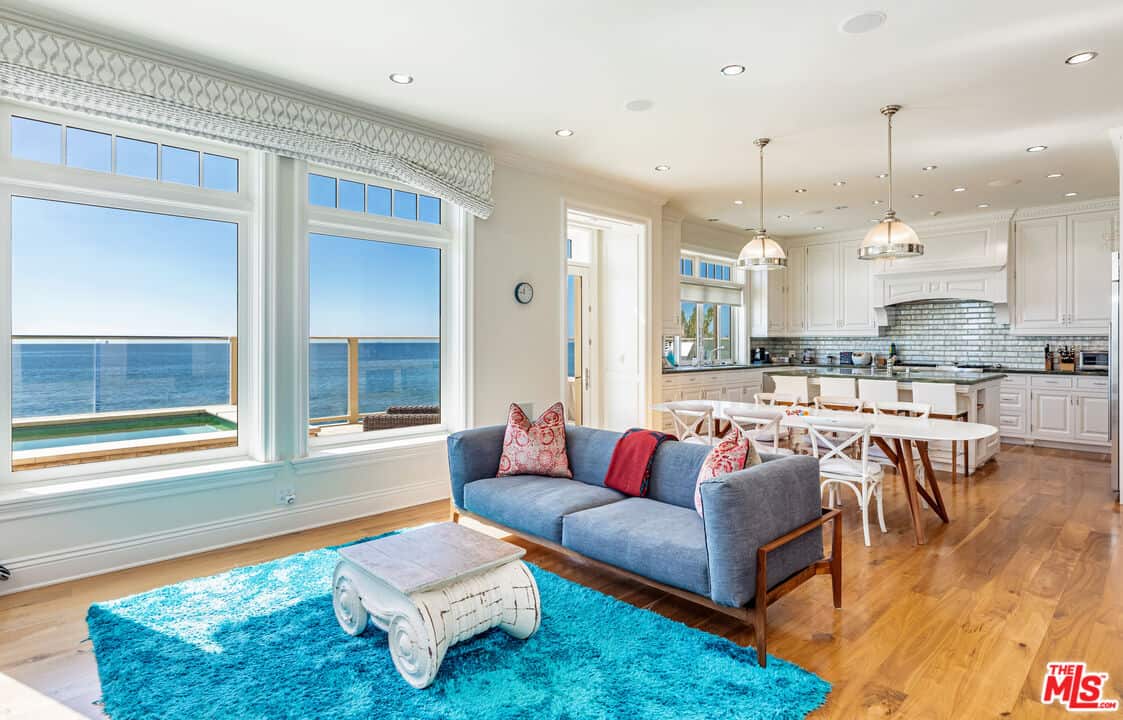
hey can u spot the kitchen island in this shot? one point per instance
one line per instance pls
(978, 394)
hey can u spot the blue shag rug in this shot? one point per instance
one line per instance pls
(263, 642)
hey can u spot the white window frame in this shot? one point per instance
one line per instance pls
(451, 238)
(20, 177)
(738, 336)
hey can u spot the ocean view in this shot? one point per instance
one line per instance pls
(63, 378)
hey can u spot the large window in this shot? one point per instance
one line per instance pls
(707, 333)
(375, 317)
(124, 312)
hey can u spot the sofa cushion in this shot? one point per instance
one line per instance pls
(590, 451)
(533, 504)
(674, 472)
(659, 541)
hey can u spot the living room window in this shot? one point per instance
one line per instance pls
(376, 309)
(126, 292)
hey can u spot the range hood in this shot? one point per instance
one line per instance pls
(963, 260)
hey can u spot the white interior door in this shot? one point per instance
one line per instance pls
(579, 351)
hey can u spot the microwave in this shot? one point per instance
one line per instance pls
(1093, 360)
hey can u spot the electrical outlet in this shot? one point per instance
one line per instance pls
(286, 496)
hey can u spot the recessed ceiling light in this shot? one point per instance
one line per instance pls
(401, 78)
(917, 196)
(1053, 176)
(662, 168)
(882, 176)
(818, 227)
(1081, 57)
(934, 213)
(839, 183)
(876, 202)
(839, 207)
(732, 70)
(875, 220)
(711, 219)
(983, 205)
(959, 189)
(1037, 148)
(784, 217)
(1071, 194)
(926, 168)
(863, 23)
(801, 190)
(564, 132)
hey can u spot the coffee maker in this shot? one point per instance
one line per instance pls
(761, 355)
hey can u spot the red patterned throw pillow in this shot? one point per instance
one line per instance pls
(734, 452)
(536, 448)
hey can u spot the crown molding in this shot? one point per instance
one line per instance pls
(19, 11)
(544, 168)
(1080, 206)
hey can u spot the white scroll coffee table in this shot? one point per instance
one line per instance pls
(432, 587)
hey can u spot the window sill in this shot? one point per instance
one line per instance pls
(93, 489)
(322, 457)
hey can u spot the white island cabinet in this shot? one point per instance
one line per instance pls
(733, 384)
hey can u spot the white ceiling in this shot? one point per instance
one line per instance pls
(979, 82)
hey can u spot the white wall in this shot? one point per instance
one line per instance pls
(62, 532)
(518, 353)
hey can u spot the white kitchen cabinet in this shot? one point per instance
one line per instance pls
(1091, 242)
(672, 253)
(1052, 415)
(1013, 407)
(1063, 274)
(1041, 272)
(1092, 418)
(855, 291)
(820, 273)
(777, 281)
(796, 285)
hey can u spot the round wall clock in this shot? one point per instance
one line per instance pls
(524, 293)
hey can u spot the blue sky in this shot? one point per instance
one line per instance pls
(87, 270)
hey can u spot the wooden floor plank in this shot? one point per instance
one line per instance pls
(1029, 570)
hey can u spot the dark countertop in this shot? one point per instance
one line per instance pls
(925, 367)
(960, 377)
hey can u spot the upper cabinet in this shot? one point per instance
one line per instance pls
(1062, 278)
(825, 290)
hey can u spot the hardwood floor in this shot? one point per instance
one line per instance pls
(1030, 570)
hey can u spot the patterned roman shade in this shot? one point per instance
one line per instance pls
(60, 71)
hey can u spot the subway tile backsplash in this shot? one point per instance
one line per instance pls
(943, 331)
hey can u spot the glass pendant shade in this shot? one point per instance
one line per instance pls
(762, 253)
(890, 238)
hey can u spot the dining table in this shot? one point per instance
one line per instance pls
(898, 436)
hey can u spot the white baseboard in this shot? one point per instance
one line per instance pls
(96, 558)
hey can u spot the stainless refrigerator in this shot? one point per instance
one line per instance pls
(1113, 360)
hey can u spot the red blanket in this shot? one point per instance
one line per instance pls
(630, 468)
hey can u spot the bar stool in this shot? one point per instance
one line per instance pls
(875, 391)
(945, 406)
(789, 385)
(838, 387)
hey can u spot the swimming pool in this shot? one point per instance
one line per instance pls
(88, 432)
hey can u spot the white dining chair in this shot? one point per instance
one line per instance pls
(764, 398)
(832, 437)
(838, 387)
(760, 426)
(875, 391)
(945, 406)
(693, 421)
(792, 385)
(841, 403)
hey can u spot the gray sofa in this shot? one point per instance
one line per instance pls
(761, 535)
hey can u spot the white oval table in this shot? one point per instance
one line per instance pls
(896, 435)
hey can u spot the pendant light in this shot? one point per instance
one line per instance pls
(762, 252)
(890, 238)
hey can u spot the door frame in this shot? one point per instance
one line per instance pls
(649, 345)
(590, 397)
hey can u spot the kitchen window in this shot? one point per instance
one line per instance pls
(707, 333)
(711, 308)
